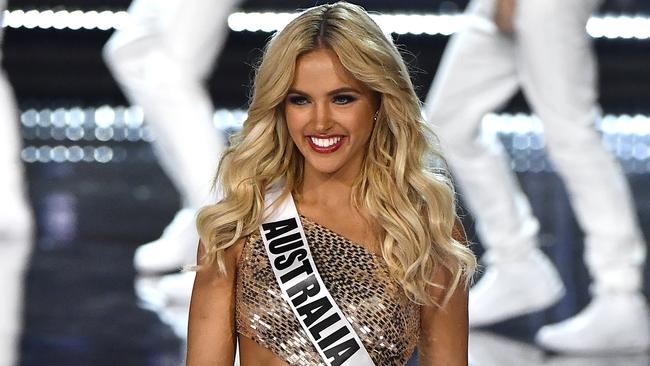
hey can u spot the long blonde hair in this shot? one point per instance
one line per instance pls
(414, 205)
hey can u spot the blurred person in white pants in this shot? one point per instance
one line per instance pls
(540, 46)
(16, 222)
(161, 59)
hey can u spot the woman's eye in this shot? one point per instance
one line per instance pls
(297, 99)
(344, 99)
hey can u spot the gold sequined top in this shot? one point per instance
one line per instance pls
(387, 322)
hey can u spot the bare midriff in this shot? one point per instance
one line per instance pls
(252, 354)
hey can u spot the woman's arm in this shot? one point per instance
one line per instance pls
(211, 334)
(443, 341)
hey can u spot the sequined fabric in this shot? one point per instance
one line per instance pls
(387, 322)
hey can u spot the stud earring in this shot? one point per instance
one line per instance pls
(376, 116)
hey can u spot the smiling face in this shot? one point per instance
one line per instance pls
(329, 115)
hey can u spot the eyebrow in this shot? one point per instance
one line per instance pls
(332, 92)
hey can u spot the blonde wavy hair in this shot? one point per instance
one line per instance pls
(413, 207)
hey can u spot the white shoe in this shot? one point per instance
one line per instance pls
(174, 249)
(611, 323)
(177, 287)
(514, 288)
(169, 296)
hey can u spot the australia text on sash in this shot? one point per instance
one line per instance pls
(289, 257)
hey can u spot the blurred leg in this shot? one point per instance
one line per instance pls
(477, 75)
(15, 223)
(15, 217)
(559, 77)
(558, 71)
(161, 60)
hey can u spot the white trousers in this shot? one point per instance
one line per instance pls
(162, 59)
(14, 253)
(549, 57)
(11, 166)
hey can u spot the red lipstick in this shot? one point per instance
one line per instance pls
(325, 144)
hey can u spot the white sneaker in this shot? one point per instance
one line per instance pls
(611, 323)
(514, 288)
(174, 249)
(169, 296)
(177, 287)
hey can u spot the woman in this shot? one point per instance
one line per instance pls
(333, 123)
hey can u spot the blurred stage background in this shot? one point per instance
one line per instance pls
(98, 192)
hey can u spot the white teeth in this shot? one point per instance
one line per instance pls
(325, 142)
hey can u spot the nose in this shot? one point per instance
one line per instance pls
(322, 118)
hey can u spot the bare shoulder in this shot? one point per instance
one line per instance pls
(231, 256)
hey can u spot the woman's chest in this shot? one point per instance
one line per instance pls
(376, 306)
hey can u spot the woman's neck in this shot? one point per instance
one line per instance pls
(326, 190)
(328, 199)
(326, 193)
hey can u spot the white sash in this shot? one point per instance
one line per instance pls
(302, 287)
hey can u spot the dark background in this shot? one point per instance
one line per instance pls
(64, 67)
